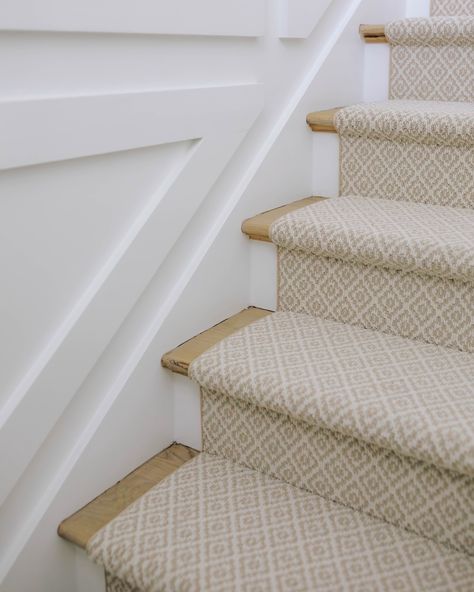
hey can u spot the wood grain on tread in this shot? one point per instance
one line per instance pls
(322, 121)
(81, 526)
(258, 227)
(179, 359)
(373, 33)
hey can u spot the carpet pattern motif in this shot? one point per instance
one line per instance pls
(452, 7)
(176, 537)
(412, 494)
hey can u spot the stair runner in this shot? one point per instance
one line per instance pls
(398, 267)
(421, 151)
(340, 455)
(216, 526)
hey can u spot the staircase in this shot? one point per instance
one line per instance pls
(338, 432)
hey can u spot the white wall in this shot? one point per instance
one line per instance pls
(132, 147)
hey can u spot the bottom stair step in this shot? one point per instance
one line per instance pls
(213, 525)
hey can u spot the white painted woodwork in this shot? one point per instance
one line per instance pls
(179, 17)
(298, 18)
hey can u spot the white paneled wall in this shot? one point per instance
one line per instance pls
(135, 137)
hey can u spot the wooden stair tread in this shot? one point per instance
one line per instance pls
(179, 359)
(322, 121)
(258, 227)
(81, 526)
(373, 33)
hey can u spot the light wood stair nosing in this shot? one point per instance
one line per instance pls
(81, 526)
(373, 33)
(179, 359)
(258, 227)
(322, 121)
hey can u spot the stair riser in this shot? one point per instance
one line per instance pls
(442, 175)
(427, 308)
(412, 73)
(435, 503)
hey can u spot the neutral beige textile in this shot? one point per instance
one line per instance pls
(421, 122)
(452, 7)
(432, 58)
(420, 238)
(408, 150)
(413, 398)
(433, 502)
(216, 526)
(426, 308)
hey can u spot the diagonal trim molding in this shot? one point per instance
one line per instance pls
(177, 17)
(37, 131)
(298, 18)
(76, 346)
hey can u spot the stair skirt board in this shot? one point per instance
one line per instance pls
(215, 525)
(428, 308)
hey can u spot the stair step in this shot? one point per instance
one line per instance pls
(214, 525)
(179, 359)
(450, 123)
(85, 523)
(376, 422)
(365, 384)
(410, 237)
(258, 227)
(373, 33)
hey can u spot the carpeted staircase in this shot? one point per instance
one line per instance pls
(338, 432)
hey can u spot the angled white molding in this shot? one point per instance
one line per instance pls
(218, 117)
(36, 131)
(298, 18)
(168, 17)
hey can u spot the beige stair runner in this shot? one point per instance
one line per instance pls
(398, 267)
(432, 59)
(408, 150)
(216, 526)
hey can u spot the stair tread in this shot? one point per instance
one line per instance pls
(431, 31)
(437, 122)
(413, 398)
(178, 359)
(258, 227)
(429, 239)
(426, 31)
(428, 122)
(215, 525)
(86, 522)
